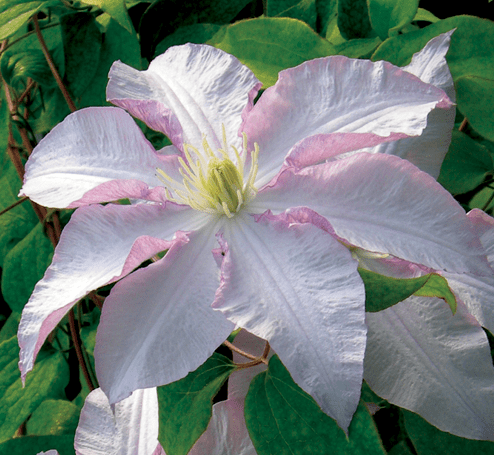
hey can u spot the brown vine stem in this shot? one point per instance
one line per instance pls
(52, 66)
(255, 360)
(15, 204)
(78, 350)
(463, 125)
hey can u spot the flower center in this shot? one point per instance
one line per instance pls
(211, 183)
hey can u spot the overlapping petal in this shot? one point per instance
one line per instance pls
(297, 287)
(187, 92)
(157, 324)
(477, 291)
(131, 428)
(337, 94)
(113, 239)
(428, 150)
(91, 147)
(383, 204)
(422, 358)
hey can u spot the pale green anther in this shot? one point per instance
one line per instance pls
(210, 183)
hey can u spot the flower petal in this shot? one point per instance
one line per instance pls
(157, 324)
(297, 287)
(428, 150)
(226, 433)
(113, 240)
(477, 291)
(422, 358)
(187, 92)
(337, 94)
(131, 428)
(383, 204)
(91, 147)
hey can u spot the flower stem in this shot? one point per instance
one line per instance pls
(255, 360)
(52, 66)
(463, 125)
(15, 204)
(78, 350)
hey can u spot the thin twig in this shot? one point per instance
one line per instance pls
(239, 351)
(15, 204)
(463, 125)
(78, 350)
(255, 360)
(52, 66)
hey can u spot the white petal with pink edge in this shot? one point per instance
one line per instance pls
(187, 92)
(384, 204)
(297, 287)
(157, 324)
(90, 147)
(422, 358)
(114, 240)
(131, 428)
(337, 94)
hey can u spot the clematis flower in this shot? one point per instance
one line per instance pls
(248, 187)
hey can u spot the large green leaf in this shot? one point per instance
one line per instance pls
(466, 164)
(158, 21)
(283, 419)
(82, 44)
(117, 45)
(185, 405)
(470, 56)
(381, 291)
(269, 45)
(389, 16)
(116, 9)
(353, 19)
(24, 266)
(31, 445)
(54, 417)
(15, 13)
(47, 380)
(304, 10)
(428, 440)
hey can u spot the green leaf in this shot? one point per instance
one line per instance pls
(466, 164)
(157, 22)
(389, 16)
(197, 33)
(118, 45)
(475, 96)
(31, 445)
(428, 440)
(24, 266)
(9, 328)
(327, 10)
(470, 56)
(381, 291)
(283, 419)
(116, 9)
(54, 417)
(15, 13)
(48, 379)
(483, 200)
(185, 405)
(358, 48)
(426, 16)
(304, 10)
(353, 19)
(269, 45)
(82, 44)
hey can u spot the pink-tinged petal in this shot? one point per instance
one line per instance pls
(477, 291)
(430, 64)
(337, 94)
(383, 204)
(187, 92)
(157, 324)
(226, 433)
(428, 150)
(98, 246)
(296, 286)
(422, 358)
(91, 147)
(239, 380)
(131, 428)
